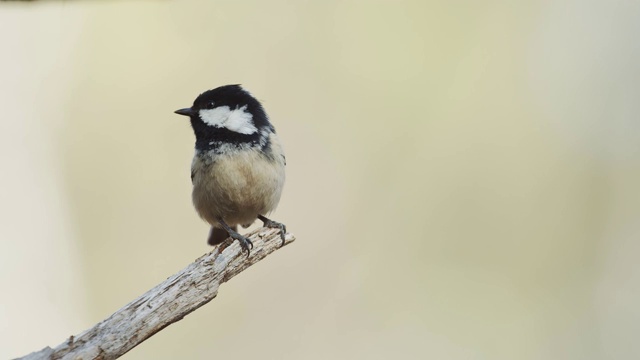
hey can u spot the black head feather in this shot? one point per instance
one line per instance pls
(234, 97)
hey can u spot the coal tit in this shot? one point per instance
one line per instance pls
(238, 167)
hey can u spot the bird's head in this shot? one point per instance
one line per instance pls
(227, 115)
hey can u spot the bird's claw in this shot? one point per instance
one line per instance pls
(245, 243)
(276, 225)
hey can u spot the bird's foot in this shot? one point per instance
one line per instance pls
(245, 243)
(274, 225)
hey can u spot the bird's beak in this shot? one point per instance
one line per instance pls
(185, 112)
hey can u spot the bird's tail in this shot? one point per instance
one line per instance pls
(217, 235)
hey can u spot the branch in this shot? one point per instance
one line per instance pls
(165, 304)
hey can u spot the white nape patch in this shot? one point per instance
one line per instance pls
(237, 120)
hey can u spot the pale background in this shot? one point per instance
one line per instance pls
(463, 176)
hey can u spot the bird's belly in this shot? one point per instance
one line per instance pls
(237, 187)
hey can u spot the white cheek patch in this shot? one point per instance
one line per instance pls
(237, 120)
(241, 121)
(216, 116)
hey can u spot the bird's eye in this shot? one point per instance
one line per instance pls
(211, 105)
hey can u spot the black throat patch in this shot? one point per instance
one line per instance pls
(221, 140)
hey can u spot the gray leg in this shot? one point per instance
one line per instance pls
(245, 243)
(274, 225)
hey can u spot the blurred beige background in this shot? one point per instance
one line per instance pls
(463, 176)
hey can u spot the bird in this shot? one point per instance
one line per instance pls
(238, 169)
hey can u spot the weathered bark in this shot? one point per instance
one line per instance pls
(165, 304)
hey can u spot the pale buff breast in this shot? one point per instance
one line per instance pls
(238, 186)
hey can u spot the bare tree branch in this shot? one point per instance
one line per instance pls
(168, 302)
